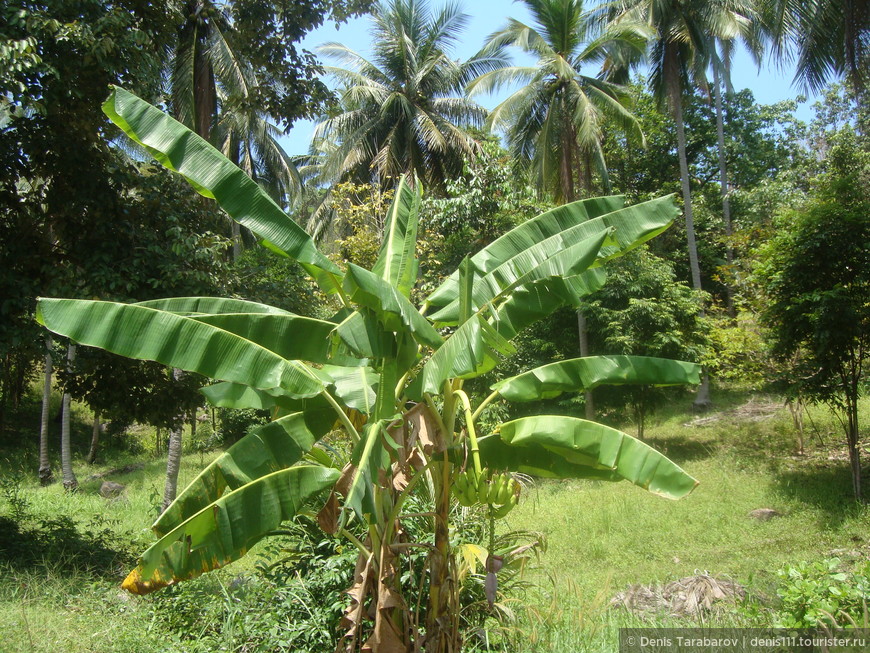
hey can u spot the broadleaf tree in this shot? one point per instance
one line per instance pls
(385, 376)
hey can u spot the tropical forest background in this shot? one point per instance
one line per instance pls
(763, 280)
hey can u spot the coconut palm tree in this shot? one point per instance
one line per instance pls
(402, 111)
(555, 122)
(831, 38)
(679, 56)
(213, 90)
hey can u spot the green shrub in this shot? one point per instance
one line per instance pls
(823, 593)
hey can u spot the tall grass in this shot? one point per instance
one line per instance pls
(600, 539)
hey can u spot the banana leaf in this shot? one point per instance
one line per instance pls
(535, 301)
(265, 450)
(214, 176)
(473, 349)
(583, 374)
(182, 342)
(392, 308)
(292, 337)
(546, 260)
(568, 447)
(397, 259)
(525, 236)
(210, 306)
(355, 386)
(319, 414)
(226, 529)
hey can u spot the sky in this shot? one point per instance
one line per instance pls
(768, 85)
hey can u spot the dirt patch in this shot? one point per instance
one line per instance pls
(686, 597)
(754, 410)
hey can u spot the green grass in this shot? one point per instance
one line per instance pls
(600, 538)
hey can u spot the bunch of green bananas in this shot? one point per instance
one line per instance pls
(500, 490)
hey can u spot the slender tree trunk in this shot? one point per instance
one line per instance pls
(687, 196)
(173, 463)
(95, 439)
(852, 437)
(702, 399)
(583, 337)
(45, 474)
(723, 182)
(70, 482)
(173, 457)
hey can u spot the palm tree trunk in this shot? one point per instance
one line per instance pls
(687, 196)
(723, 182)
(70, 482)
(173, 464)
(173, 457)
(702, 399)
(95, 439)
(45, 474)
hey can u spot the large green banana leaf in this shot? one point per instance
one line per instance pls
(236, 395)
(583, 374)
(535, 301)
(265, 450)
(226, 529)
(215, 176)
(360, 334)
(570, 447)
(473, 349)
(527, 235)
(210, 306)
(188, 344)
(393, 309)
(397, 259)
(292, 337)
(546, 260)
(355, 386)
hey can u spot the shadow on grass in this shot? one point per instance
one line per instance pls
(682, 448)
(826, 487)
(60, 544)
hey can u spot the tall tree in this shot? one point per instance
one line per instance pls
(830, 37)
(70, 482)
(815, 274)
(555, 122)
(45, 474)
(680, 52)
(402, 112)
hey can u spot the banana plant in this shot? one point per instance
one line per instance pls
(384, 373)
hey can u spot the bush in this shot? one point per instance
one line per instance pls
(823, 593)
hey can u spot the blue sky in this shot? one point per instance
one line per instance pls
(768, 85)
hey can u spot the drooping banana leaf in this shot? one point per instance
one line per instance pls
(367, 457)
(535, 301)
(225, 530)
(265, 450)
(392, 308)
(525, 236)
(360, 334)
(319, 414)
(566, 446)
(182, 342)
(397, 259)
(547, 260)
(236, 395)
(216, 177)
(355, 386)
(583, 374)
(292, 337)
(210, 306)
(473, 349)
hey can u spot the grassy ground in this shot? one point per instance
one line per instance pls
(59, 590)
